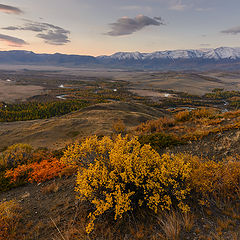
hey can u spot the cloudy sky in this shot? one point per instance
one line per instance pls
(97, 27)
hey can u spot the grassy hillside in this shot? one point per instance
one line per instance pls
(57, 132)
(101, 159)
(131, 190)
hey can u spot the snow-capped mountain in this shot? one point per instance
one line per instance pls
(213, 54)
(223, 58)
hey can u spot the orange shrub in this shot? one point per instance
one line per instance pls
(40, 155)
(36, 172)
(195, 114)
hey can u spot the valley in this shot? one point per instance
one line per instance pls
(48, 120)
(99, 99)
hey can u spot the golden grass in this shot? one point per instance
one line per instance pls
(192, 125)
(51, 188)
(171, 225)
(9, 219)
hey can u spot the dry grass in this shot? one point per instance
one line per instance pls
(188, 220)
(51, 188)
(225, 223)
(170, 225)
(192, 125)
(173, 224)
(9, 219)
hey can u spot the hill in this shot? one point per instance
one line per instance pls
(52, 212)
(57, 132)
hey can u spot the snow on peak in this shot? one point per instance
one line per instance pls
(216, 54)
(127, 55)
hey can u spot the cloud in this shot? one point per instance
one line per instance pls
(126, 25)
(12, 41)
(234, 30)
(177, 5)
(50, 33)
(56, 37)
(10, 9)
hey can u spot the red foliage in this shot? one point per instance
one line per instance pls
(36, 172)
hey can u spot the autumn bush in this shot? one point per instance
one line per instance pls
(119, 127)
(36, 172)
(159, 141)
(5, 183)
(28, 165)
(158, 125)
(216, 179)
(122, 175)
(199, 113)
(183, 116)
(9, 219)
(15, 155)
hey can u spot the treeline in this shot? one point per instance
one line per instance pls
(36, 110)
(219, 93)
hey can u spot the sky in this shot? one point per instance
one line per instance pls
(103, 27)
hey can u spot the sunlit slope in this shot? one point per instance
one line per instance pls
(57, 132)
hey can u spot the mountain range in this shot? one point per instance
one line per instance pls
(224, 58)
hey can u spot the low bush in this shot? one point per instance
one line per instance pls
(36, 172)
(204, 113)
(182, 116)
(15, 155)
(119, 127)
(122, 175)
(155, 125)
(158, 141)
(5, 183)
(199, 113)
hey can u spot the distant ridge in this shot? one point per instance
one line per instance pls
(225, 58)
(216, 54)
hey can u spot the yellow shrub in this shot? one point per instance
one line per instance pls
(121, 175)
(9, 217)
